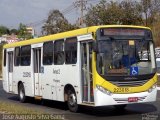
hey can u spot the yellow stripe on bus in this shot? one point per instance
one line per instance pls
(67, 34)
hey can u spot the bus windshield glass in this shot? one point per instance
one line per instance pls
(125, 56)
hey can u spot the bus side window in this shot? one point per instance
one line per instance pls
(48, 53)
(17, 56)
(59, 52)
(25, 55)
(71, 51)
(4, 58)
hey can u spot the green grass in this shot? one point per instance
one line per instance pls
(13, 108)
(21, 112)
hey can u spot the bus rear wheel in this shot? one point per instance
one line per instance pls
(21, 93)
(72, 101)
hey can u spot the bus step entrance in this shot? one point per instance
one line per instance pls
(85, 94)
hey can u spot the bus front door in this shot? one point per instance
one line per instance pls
(87, 82)
(37, 72)
(10, 71)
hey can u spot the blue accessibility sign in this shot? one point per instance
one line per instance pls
(133, 70)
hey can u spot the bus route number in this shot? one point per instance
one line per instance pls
(26, 74)
(121, 90)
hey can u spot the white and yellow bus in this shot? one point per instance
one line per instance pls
(94, 66)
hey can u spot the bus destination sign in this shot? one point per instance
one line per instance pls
(122, 32)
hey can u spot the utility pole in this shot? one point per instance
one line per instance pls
(82, 5)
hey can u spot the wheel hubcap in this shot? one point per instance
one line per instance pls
(21, 94)
(72, 99)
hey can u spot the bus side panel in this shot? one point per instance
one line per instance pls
(16, 75)
(5, 79)
(55, 77)
(68, 75)
(5, 73)
(23, 74)
(79, 75)
(47, 78)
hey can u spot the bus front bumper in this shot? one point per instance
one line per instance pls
(103, 99)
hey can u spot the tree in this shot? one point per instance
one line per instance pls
(96, 15)
(150, 11)
(130, 13)
(114, 13)
(14, 31)
(151, 17)
(156, 31)
(4, 30)
(23, 34)
(56, 23)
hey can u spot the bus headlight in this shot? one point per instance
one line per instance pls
(152, 88)
(104, 90)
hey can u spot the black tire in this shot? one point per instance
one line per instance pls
(21, 93)
(120, 107)
(72, 101)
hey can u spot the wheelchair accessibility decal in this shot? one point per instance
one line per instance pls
(133, 70)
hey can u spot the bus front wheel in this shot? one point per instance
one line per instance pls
(21, 93)
(72, 101)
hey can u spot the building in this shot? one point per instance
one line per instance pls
(9, 38)
(31, 31)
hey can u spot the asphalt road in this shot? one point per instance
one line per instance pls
(132, 112)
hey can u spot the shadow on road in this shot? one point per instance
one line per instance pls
(47, 103)
(111, 111)
(131, 109)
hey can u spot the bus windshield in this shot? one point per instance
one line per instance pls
(120, 57)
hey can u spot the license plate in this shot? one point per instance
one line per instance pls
(132, 99)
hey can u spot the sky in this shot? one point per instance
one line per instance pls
(14, 12)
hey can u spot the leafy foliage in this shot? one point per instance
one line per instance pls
(22, 32)
(114, 13)
(143, 12)
(56, 23)
(14, 31)
(97, 15)
(150, 11)
(131, 14)
(4, 30)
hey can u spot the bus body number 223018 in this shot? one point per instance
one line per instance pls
(121, 90)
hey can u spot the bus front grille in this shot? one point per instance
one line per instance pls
(129, 83)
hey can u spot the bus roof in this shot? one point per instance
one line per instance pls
(67, 34)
